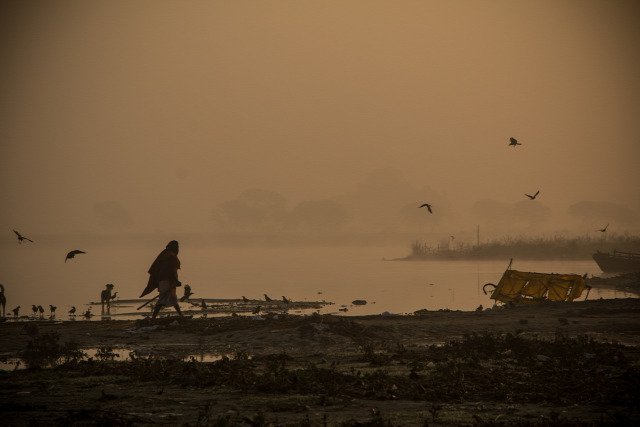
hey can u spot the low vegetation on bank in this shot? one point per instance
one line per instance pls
(549, 248)
(487, 369)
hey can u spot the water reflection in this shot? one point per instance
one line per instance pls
(335, 274)
(12, 362)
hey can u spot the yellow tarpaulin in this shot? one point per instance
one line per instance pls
(524, 287)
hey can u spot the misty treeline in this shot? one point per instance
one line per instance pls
(548, 248)
(387, 202)
(383, 202)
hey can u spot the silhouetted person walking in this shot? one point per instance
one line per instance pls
(163, 275)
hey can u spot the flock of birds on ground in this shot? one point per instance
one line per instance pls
(203, 305)
(38, 312)
(71, 255)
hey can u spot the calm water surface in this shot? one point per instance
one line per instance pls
(37, 274)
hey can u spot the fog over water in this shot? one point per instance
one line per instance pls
(320, 122)
(338, 275)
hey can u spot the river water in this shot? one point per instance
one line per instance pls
(37, 274)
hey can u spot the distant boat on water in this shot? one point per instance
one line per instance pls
(618, 262)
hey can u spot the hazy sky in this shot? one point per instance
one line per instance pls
(148, 115)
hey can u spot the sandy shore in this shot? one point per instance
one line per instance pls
(613, 320)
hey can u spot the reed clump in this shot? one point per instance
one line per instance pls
(546, 248)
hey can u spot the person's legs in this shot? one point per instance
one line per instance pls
(156, 310)
(177, 307)
(164, 299)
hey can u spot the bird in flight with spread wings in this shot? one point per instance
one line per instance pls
(21, 237)
(532, 197)
(427, 205)
(602, 230)
(513, 142)
(73, 253)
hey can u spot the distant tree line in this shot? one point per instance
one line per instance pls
(550, 248)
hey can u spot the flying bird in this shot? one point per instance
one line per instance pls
(603, 229)
(532, 197)
(513, 142)
(21, 237)
(73, 253)
(187, 293)
(427, 205)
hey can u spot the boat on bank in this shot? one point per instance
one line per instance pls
(524, 287)
(618, 262)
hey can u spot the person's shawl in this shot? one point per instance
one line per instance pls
(165, 266)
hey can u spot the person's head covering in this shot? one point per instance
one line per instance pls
(173, 246)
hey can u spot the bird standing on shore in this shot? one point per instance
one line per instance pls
(73, 253)
(427, 205)
(16, 311)
(21, 237)
(41, 311)
(244, 299)
(52, 309)
(285, 300)
(532, 197)
(73, 311)
(513, 142)
(34, 308)
(256, 310)
(266, 298)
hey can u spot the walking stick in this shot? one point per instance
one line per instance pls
(148, 302)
